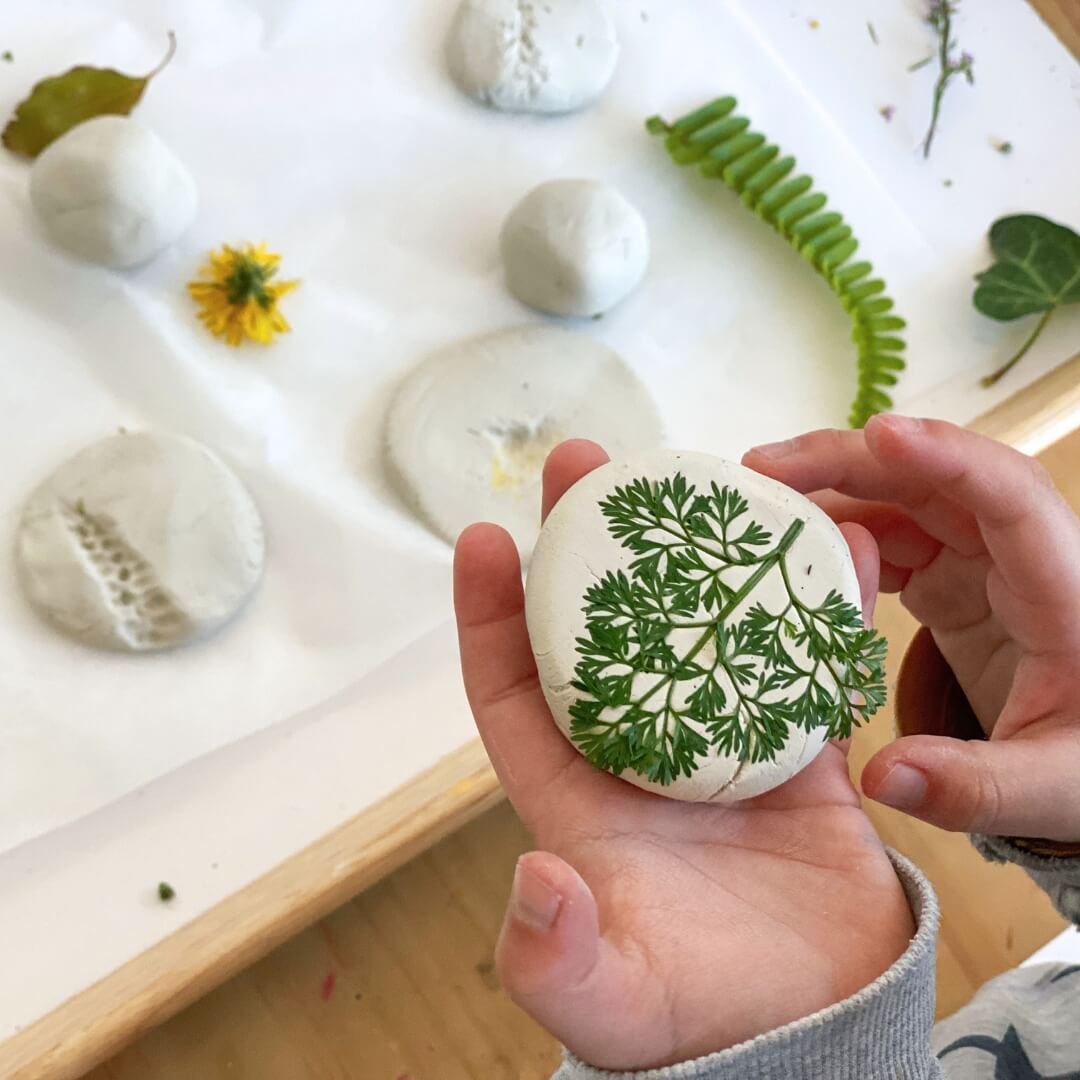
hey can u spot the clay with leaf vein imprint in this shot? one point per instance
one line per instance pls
(696, 626)
(538, 56)
(140, 542)
(468, 430)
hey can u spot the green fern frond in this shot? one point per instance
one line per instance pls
(722, 146)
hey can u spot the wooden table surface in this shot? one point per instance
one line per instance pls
(397, 984)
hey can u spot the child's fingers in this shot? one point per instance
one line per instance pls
(841, 461)
(525, 747)
(565, 466)
(894, 579)
(1028, 528)
(864, 554)
(901, 542)
(554, 963)
(1015, 787)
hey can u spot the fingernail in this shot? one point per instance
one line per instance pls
(775, 450)
(903, 788)
(533, 901)
(902, 425)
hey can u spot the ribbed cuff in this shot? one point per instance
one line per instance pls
(880, 1033)
(1058, 877)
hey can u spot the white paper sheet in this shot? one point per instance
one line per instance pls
(1064, 949)
(331, 131)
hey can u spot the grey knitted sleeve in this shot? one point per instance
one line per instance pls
(1058, 878)
(880, 1033)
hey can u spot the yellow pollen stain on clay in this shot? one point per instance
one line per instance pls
(518, 462)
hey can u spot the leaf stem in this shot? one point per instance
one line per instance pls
(747, 587)
(946, 73)
(802, 611)
(991, 380)
(685, 538)
(170, 53)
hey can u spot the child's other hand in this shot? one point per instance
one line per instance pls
(649, 931)
(985, 552)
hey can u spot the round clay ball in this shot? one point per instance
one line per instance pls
(618, 598)
(111, 192)
(140, 542)
(574, 247)
(469, 429)
(535, 56)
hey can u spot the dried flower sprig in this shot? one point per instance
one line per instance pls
(940, 18)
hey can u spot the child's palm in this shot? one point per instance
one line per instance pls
(681, 928)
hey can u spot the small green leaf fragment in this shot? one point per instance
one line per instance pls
(165, 892)
(7, 55)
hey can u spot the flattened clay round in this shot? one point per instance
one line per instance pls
(140, 542)
(574, 247)
(577, 551)
(111, 192)
(469, 429)
(538, 56)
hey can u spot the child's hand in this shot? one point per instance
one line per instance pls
(986, 553)
(649, 931)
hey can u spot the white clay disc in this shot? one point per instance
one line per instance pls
(111, 192)
(576, 550)
(574, 247)
(538, 56)
(140, 542)
(469, 429)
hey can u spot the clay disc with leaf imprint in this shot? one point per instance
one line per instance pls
(697, 627)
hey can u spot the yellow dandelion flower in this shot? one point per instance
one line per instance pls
(241, 300)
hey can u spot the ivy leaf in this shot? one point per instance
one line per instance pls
(1037, 270)
(58, 104)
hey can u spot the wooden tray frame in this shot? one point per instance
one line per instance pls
(97, 1023)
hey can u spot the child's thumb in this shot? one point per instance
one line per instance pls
(554, 963)
(1016, 787)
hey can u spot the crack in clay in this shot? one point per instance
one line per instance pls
(585, 563)
(146, 615)
(740, 769)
